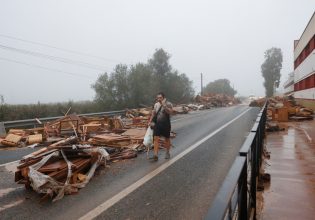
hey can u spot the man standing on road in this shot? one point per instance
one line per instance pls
(161, 123)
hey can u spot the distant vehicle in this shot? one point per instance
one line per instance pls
(252, 97)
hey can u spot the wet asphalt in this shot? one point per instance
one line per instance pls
(184, 190)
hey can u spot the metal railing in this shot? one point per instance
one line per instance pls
(236, 199)
(33, 122)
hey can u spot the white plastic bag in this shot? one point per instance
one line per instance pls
(148, 138)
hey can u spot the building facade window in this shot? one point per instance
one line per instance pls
(306, 83)
(305, 52)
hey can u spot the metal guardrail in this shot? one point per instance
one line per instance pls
(236, 199)
(33, 122)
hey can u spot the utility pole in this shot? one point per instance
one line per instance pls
(201, 84)
(233, 89)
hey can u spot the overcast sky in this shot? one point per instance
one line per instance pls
(221, 39)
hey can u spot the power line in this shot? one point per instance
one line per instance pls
(46, 68)
(54, 58)
(59, 48)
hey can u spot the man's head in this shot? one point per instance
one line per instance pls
(160, 96)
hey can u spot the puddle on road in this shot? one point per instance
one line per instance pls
(292, 164)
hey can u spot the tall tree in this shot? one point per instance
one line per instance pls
(160, 66)
(121, 85)
(178, 87)
(220, 86)
(130, 87)
(160, 62)
(271, 70)
(112, 91)
(142, 85)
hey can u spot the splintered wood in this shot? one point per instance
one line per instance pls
(36, 138)
(111, 140)
(216, 100)
(57, 170)
(22, 137)
(283, 109)
(11, 140)
(72, 147)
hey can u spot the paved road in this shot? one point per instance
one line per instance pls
(184, 190)
(8, 155)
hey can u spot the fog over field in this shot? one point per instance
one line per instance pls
(52, 51)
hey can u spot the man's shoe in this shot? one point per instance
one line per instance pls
(154, 158)
(167, 155)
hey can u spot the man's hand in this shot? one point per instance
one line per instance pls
(163, 102)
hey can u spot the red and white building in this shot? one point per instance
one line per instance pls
(288, 85)
(304, 66)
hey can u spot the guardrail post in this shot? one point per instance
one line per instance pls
(233, 186)
(242, 188)
(2, 129)
(253, 185)
(249, 151)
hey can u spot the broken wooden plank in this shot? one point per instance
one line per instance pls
(36, 138)
(11, 140)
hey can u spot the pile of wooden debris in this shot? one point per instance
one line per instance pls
(72, 147)
(283, 109)
(84, 128)
(258, 102)
(216, 100)
(61, 168)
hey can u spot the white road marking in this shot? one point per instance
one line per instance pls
(4, 192)
(12, 167)
(110, 202)
(12, 204)
(10, 163)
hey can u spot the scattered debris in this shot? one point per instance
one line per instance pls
(283, 109)
(35, 138)
(73, 147)
(122, 155)
(258, 103)
(216, 100)
(181, 109)
(11, 140)
(59, 170)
